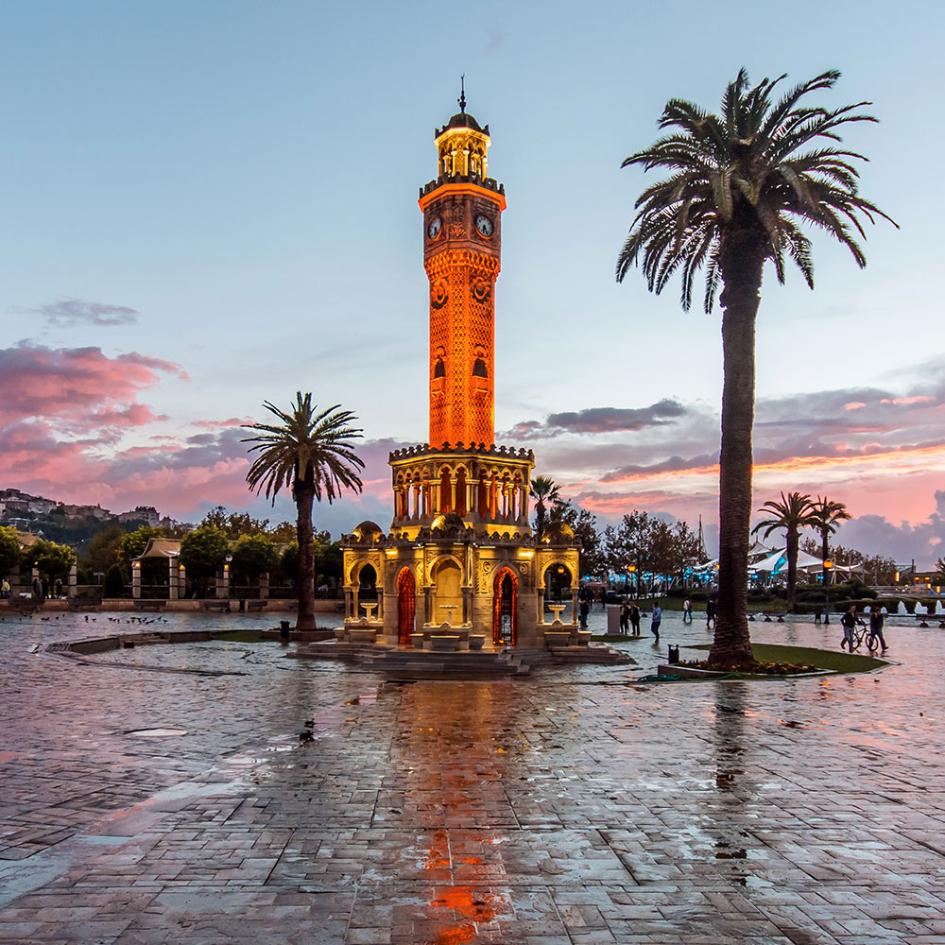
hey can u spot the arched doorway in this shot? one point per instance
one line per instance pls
(366, 592)
(558, 588)
(505, 608)
(406, 605)
(447, 593)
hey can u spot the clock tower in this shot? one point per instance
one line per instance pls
(462, 234)
(460, 567)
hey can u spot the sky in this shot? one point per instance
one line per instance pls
(211, 205)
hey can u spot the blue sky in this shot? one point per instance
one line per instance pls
(243, 176)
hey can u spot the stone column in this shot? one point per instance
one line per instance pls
(223, 584)
(467, 604)
(427, 604)
(264, 586)
(136, 580)
(172, 579)
(73, 580)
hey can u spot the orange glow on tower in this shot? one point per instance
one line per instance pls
(462, 258)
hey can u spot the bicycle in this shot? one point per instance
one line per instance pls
(862, 631)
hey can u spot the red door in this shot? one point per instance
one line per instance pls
(406, 606)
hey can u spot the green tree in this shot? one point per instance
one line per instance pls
(543, 490)
(132, 544)
(791, 512)
(51, 559)
(629, 544)
(313, 454)
(254, 555)
(9, 550)
(103, 549)
(740, 185)
(202, 552)
(584, 525)
(235, 524)
(825, 516)
(329, 560)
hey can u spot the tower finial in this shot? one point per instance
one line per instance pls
(462, 93)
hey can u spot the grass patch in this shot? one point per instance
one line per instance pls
(837, 662)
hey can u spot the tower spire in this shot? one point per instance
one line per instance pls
(462, 93)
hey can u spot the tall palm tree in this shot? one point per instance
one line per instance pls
(792, 513)
(740, 184)
(542, 489)
(825, 516)
(311, 452)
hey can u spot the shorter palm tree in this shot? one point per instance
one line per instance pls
(792, 513)
(543, 489)
(312, 453)
(826, 516)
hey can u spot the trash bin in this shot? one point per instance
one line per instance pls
(613, 619)
(284, 630)
(673, 655)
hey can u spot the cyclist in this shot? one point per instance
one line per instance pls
(848, 622)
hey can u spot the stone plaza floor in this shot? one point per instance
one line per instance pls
(569, 808)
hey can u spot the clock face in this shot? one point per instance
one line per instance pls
(434, 228)
(484, 225)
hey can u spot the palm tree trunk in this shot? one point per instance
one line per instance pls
(304, 500)
(825, 549)
(792, 541)
(741, 267)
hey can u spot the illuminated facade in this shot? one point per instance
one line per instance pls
(460, 567)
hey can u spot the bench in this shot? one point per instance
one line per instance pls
(220, 606)
(362, 635)
(444, 642)
(255, 606)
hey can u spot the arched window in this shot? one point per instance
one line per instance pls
(479, 368)
(439, 369)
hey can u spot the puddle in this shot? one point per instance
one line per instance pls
(156, 732)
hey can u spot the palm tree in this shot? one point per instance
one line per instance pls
(792, 513)
(825, 516)
(542, 489)
(312, 452)
(739, 185)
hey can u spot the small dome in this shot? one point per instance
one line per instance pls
(367, 531)
(463, 120)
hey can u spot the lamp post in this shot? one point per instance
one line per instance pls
(632, 570)
(827, 566)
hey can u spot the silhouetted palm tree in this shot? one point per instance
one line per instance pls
(739, 185)
(543, 489)
(792, 513)
(312, 453)
(825, 516)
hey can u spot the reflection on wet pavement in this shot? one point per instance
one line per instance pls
(143, 807)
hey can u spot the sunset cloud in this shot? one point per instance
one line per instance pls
(69, 313)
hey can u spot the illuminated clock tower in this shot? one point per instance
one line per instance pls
(460, 567)
(462, 233)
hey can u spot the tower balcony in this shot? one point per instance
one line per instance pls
(485, 488)
(489, 183)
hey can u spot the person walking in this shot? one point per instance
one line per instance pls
(848, 622)
(687, 611)
(710, 613)
(583, 611)
(656, 620)
(5, 589)
(876, 629)
(635, 619)
(624, 618)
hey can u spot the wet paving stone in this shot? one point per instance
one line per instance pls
(570, 807)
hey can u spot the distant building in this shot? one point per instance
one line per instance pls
(146, 514)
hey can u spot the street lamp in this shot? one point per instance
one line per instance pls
(632, 570)
(827, 566)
